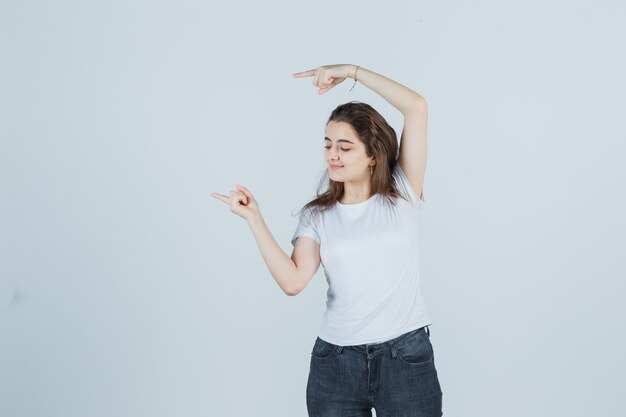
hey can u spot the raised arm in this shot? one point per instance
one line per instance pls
(413, 147)
(413, 107)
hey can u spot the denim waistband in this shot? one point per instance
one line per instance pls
(373, 348)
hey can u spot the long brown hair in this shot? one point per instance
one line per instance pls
(380, 141)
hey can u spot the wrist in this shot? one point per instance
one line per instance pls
(255, 220)
(351, 71)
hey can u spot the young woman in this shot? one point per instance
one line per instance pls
(373, 348)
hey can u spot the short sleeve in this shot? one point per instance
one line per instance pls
(405, 187)
(306, 227)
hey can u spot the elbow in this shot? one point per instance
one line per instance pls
(420, 103)
(292, 292)
(417, 105)
(292, 287)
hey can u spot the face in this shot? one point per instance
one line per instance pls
(344, 150)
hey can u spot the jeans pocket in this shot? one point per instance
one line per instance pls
(417, 350)
(322, 349)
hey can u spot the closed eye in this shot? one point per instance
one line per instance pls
(345, 150)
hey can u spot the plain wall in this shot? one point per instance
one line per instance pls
(127, 290)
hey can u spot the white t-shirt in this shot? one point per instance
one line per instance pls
(370, 255)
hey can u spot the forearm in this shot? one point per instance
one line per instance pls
(402, 98)
(279, 263)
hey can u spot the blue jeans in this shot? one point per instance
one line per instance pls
(397, 378)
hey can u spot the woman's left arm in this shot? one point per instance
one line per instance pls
(415, 111)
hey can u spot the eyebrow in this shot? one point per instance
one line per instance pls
(339, 140)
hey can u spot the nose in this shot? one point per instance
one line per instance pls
(332, 152)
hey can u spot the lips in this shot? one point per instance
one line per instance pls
(333, 167)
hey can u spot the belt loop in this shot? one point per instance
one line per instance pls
(427, 331)
(392, 347)
(339, 349)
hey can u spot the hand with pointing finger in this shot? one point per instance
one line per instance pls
(241, 202)
(327, 76)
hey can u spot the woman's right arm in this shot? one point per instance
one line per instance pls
(291, 274)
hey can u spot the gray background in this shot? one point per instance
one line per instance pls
(127, 290)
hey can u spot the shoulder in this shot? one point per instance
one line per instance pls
(311, 214)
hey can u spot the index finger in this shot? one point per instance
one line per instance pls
(308, 73)
(221, 197)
